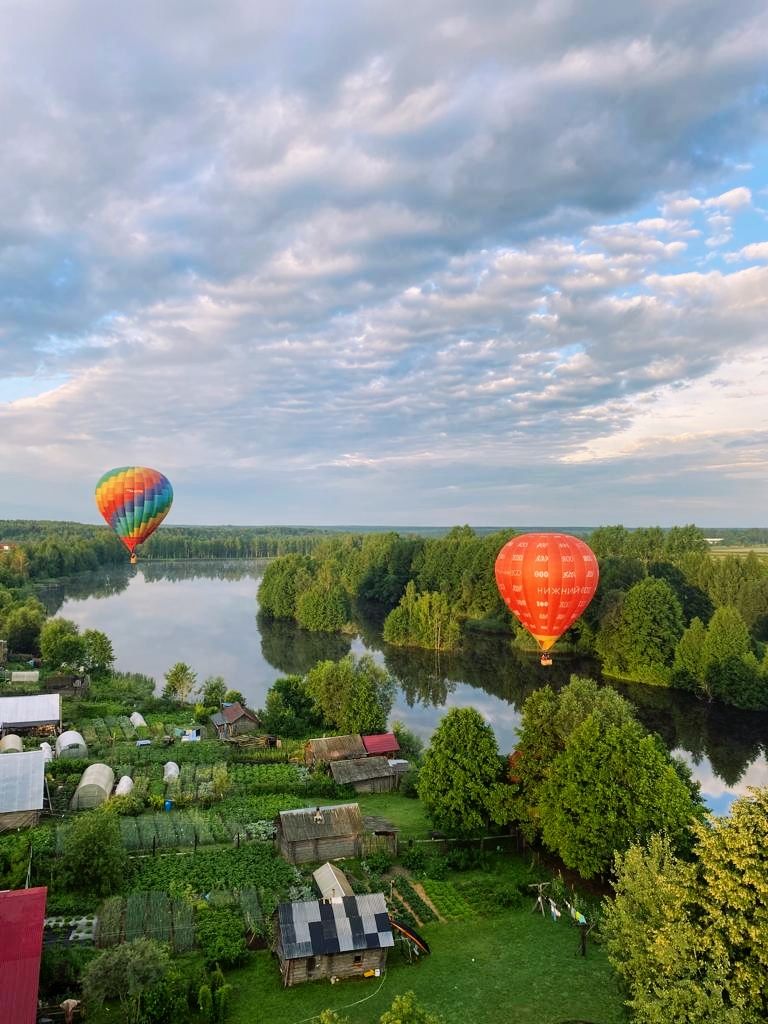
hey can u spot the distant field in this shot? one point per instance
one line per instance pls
(721, 550)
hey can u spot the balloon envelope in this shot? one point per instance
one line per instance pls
(546, 580)
(134, 500)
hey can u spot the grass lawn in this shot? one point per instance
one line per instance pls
(406, 813)
(526, 970)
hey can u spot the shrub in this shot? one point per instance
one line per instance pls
(378, 862)
(221, 936)
(414, 858)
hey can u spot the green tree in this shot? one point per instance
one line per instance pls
(179, 682)
(688, 939)
(650, 626)
(93, 859)
(283, 582)
(213, 691)
(22, 627)
(727, 636)
(612, 785)
(323, 608)
(99, 654)
(353, 695)
(234, 697)
(407, 1010)
(423, 620)
(61, 643)
(688, 670)
(289, 709)
(460, 767)
(125, 972)
(410, 744)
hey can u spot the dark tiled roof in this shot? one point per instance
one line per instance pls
(338, 820)
(315, 928)
(381, 743)
(360, 770)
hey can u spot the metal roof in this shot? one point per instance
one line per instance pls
(331, 881)
(316, 928)
(232, 712)
(359, 770)
(337, 820)
(22, 913)
(381, 743)
(335, 748)
(36, 709)
(21, 781)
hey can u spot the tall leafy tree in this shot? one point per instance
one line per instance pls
(459, 770)
(353, 695)
(99, 653)
(213, 691)
(289, 708)
(179, 682)
(93, 859)
(422, 620)
(125, 972)
(283, 582)
(649, 627)
(612, 785)
(61, 643)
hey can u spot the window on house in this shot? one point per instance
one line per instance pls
(359, 958)
(311, 964)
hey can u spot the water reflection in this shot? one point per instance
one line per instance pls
(205, 613)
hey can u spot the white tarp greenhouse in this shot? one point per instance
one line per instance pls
(94, 787)
(137, 720)
(47, 750)
(124, 786)
(21, 789)
(71, 744)
(11, 744)
(170, 771)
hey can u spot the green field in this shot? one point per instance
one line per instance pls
(408, 815)
(517, 968)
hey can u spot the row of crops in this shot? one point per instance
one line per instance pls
(151, 915)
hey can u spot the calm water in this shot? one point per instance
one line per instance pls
(206, 615)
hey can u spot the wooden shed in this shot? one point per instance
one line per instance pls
(320, 833)
(340, 938)
(22, 785)
(234, 720)
(365, 774)
(332, 882)
(326, 749)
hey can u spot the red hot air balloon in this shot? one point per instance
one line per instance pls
(546, 580)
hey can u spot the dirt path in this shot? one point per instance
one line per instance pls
(420, 890)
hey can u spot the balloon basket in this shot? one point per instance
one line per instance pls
(546, 660)
(134, 559)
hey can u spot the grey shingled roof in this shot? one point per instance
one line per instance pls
(316, 928)
(360, 769)
(21, 781)
(338, 820)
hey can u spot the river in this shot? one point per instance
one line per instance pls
(205, 614)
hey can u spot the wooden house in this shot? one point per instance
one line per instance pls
(326, 749)
(365, 774)
(383, 744)
(345, 937)
(234, 720)
(320, 833)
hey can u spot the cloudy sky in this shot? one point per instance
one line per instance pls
(369, 262)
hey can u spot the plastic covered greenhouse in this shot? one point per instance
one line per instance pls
(71, 744)
(124, 786)
(137, 720)
(94, 787)
(11, 744)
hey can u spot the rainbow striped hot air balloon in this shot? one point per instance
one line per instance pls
(134, 500)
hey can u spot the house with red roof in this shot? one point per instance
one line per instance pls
(383, 744)
(234, 720)
(22, 917)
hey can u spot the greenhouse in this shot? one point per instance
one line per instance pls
(124, 786)
(137, 720)
(170, 772)
(11, 744)
(71, 744)
(94, 787)
(47, 750)
(22, 781)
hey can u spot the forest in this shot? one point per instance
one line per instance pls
(666, 612)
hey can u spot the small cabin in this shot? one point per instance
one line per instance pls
(22, 785)
(94, 788)
(234, 720)
(383, 744)
(326, 749)
(71, 744)
(320, 833)
(346, 937)
(365, 774)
